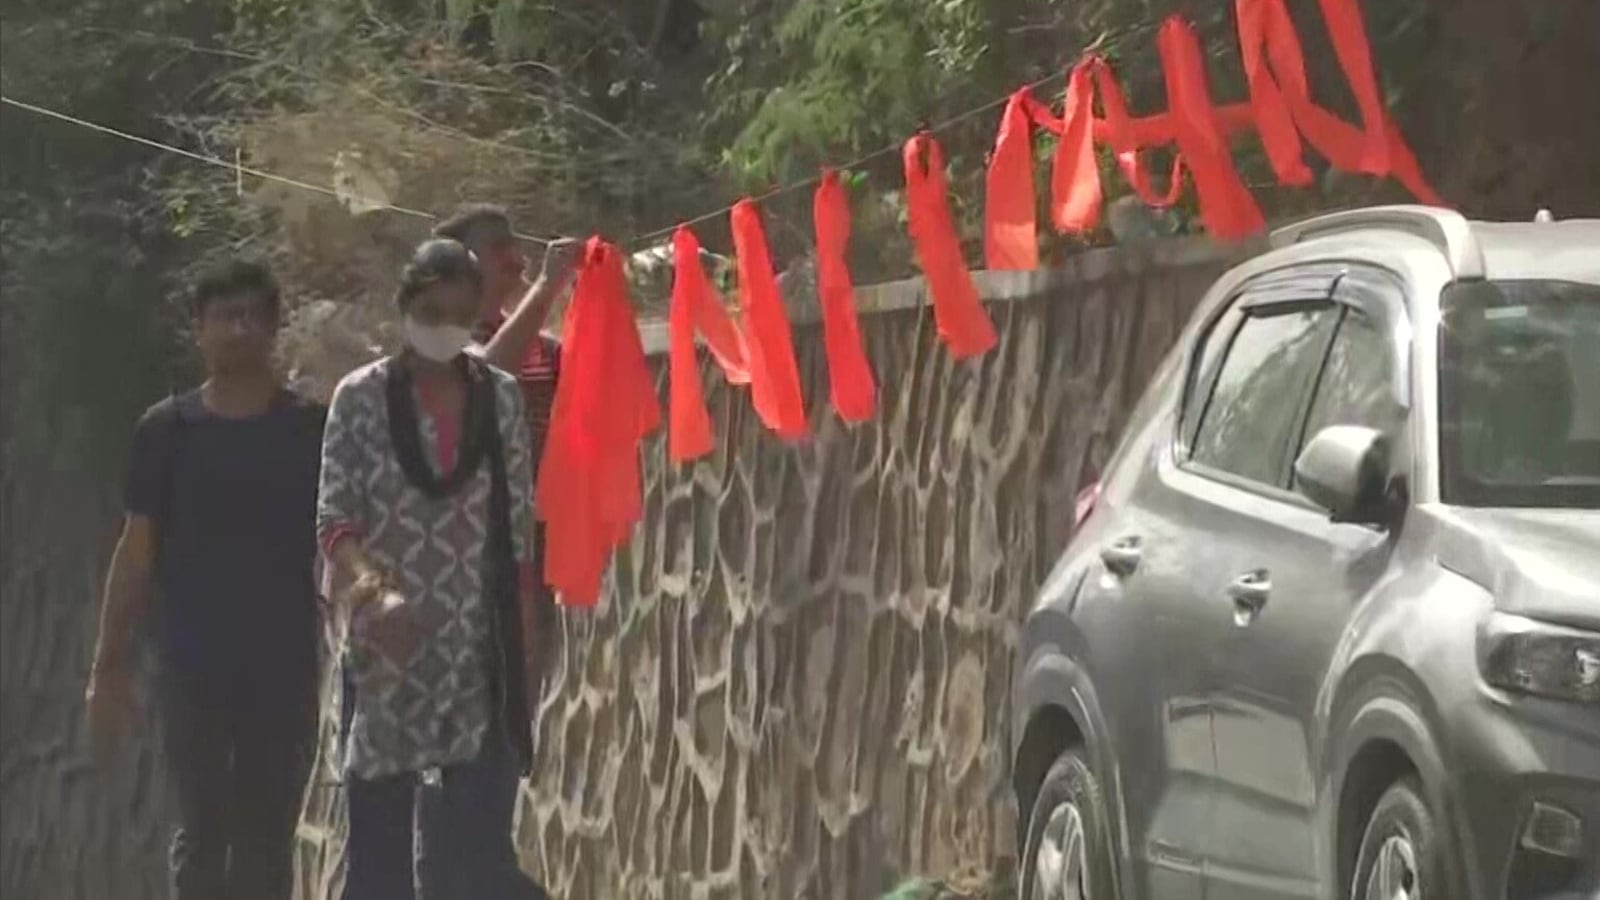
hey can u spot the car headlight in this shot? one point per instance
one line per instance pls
(1532, 657)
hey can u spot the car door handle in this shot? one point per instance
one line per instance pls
(1122, 558)
(1249, 593)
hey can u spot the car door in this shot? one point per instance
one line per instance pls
(1151, 548)
(1293, 580)
(1114, 605)
(1154, 699)
(1238, 429)
(1119, 633)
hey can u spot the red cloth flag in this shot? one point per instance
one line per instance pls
(1344, 145)
(710, 314)
(1349, 34)
(1280, 109)
(1125, 134)
(1265, 29)
(849, 375)
(960, 317)
(604, 408)
(774, 374)
(696, 307)
(689, 432)
(1010, 235)
(1124, 141)
(1075, 193)
(1226, 205)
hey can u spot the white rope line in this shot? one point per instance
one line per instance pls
(631, 243)
(231, 166)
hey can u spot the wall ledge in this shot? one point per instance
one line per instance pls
(1088, 267)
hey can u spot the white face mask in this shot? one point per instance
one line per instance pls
(439, 343)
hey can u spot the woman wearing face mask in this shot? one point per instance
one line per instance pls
(422, 453)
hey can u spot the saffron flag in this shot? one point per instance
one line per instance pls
(774, 374)
(962, 322)
(849, 374)
(1280, 109)
(1266, 36)
(605, 406)
(1120, 133)
(1226, 205)
(696, 308)
(1075, 193)
(1010, 209)
(1343, 18)
(1075, 183)
(1265, 30)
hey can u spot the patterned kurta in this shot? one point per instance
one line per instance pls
(434, 708)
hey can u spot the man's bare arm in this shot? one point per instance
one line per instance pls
(509, 346)
(126, 601)
(125, 606)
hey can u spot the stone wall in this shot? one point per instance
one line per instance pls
(71, 828)
(798, 683)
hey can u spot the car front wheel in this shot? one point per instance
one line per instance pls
(1068, 851)
(1402, 855)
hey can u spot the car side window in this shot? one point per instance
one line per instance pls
(1356, 387)
(1251, 419)
(1202, 371)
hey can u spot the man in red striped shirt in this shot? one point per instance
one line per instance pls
(510, 330)
(514, 309)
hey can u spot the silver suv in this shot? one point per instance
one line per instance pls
(1330, 624)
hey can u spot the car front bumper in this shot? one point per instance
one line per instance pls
(1526, 776)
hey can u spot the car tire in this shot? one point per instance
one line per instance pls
(1068, 803)
(1402, 853)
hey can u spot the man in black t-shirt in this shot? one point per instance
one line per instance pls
(220, 521)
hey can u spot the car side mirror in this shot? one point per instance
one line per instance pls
(1344, 470)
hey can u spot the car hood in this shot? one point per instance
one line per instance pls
(1540, 563)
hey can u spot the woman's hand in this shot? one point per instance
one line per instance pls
(364, 589)
(390, 625)
(381, 617)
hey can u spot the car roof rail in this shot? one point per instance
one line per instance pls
(1444, 228)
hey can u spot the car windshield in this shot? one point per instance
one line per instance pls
(1519, 394)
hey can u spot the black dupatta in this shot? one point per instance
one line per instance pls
(405, 431)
